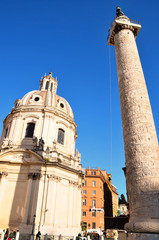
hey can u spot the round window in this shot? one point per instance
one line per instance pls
(36, 99)
(61, 105)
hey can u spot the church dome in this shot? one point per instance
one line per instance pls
(42, 118)
(45, 97)
(40, 166)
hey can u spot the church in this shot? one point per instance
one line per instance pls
(40, 171)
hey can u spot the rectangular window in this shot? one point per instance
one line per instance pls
(60, 137)
(94, 192)
(84, 214)
(6, 133)
(84, 202)
(47, 85)
(93, 183)
(94, 203)
(84, 191)
(30, 130)
(93, 173)
(93, 214)
(93, 225)
(85, 183)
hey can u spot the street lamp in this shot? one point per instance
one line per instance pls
(32, 235)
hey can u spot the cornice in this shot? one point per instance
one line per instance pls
(50, 110)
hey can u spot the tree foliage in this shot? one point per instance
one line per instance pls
(122, 199)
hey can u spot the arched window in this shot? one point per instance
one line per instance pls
(60, 138)
(47, 85)
(30, 130)
(6, 133)
(51, 87)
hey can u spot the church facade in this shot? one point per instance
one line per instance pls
(40, 171)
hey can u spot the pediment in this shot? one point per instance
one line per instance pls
(21, 156)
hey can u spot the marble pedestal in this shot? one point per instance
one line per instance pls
(138, 236)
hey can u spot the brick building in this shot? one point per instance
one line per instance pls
(99, 199)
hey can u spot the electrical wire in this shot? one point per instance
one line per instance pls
(110, 82)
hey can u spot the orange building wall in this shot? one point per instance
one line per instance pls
(99, 197)
(100, 177)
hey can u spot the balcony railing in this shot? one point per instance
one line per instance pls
(111, 26)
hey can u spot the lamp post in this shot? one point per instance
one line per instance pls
(33, 228)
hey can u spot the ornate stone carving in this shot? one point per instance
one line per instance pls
(7, 143)
(78, 155)
(75, 184)
(34, 176)
(38, 144)
(53, 177)
(143, 227)
(41, 144)
(3, 174)
(140, 140)
(54, 145)
(35, 141)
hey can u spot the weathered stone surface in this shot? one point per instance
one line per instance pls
(140, 140)
(138, 236)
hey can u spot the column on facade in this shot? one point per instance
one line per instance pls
(73, 205)
(37, 193)
(51, 200)
(70, 204)
(16, 134)
(12, 129)
(48, 95)
(68, 140)
(42, 198)
(54, 98)
(51, 131)
(32, 196)
(3, 181)
(78, 203)
(57, 197)
(28, 199)
(46, 205)
(45, 128)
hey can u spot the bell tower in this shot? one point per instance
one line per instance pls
(140, 139)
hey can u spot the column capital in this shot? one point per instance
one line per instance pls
(75, 184)
(3, 174)
(120, 23)
(54, 177)
(34, 176)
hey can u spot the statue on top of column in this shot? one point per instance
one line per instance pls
(119, 12)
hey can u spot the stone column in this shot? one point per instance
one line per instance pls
(32, 196)
(28, 199)
(140, 140)
(12, 129)
(55, 216)
(3, 181)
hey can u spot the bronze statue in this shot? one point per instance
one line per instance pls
(119, 12)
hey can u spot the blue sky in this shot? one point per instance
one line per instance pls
(69, 37)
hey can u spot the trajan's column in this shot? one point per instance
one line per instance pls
(140, 139)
